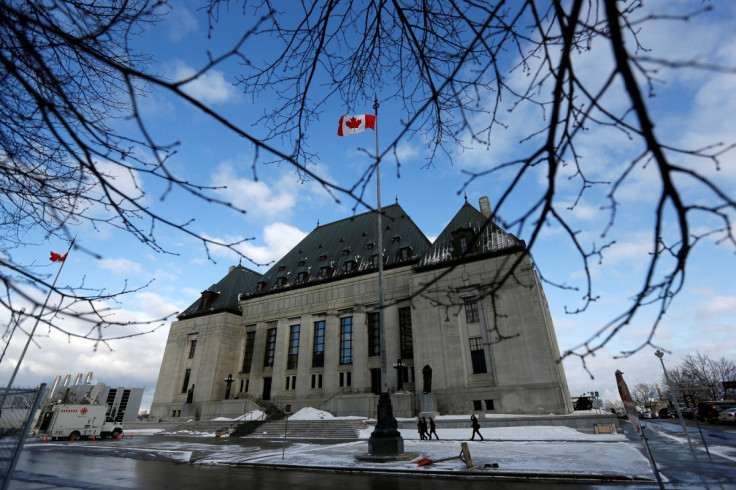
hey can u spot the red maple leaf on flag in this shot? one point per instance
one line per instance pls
(353, 123)
(57, 257)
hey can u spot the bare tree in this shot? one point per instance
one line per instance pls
(452, 65)
(702, 376)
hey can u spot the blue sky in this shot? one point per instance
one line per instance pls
(693, 108)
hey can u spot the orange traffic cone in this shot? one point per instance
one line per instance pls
(118, 437)
(93, 437)
(131, 435)
(71, 439)
(45, 439)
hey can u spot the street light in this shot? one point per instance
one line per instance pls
(660, 355)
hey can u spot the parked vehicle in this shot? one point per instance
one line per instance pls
(667, 413)
(708, 411)
(650, 415)
(79, 421)
(728, 415)
(689, 413)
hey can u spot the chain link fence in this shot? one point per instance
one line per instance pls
(17, 409)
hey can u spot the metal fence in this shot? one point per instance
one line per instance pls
(17, 409)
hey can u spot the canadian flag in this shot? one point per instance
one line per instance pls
(356, 124)
(58, 257)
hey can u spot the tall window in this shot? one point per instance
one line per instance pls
(270, 347)
(472, 315)
(477, 355)
(293, 347)
(250, 339)
(346, 340)
(192, 348)
(407, 344)
(318, 352)
(374, 335)
(185, 385)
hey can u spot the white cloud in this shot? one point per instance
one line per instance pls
(120, 266)
(209, 87)
(276, 240)
(718, 306)
(180, 22)
(258, 198)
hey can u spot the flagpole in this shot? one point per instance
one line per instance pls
(33, 331)
(381, 324)
(385, 441)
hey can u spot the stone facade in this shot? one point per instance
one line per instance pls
(312, 342)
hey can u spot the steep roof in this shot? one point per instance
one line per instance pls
(482, 237)
(223, 296)
(346, 248)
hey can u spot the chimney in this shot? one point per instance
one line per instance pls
(79, 378)
(485, 206)
(89, 378)
(66, 380)
(232, 268)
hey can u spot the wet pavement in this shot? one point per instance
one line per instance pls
(171, 462)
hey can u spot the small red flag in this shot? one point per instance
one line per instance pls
(58, 257)
(356, 124)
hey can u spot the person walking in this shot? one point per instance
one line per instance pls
(476, 428)
(432, 430)
(420, 428)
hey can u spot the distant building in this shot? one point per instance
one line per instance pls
(306, 333)
(123, 403)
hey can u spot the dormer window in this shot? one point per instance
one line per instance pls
(280, 282)
(260, 286)
(405, 253)
(349, 266)
(324, 272)
(282, 268)
(302, 277)
(373, 260)
(208, 297)
(395, 239)
(302, 263)
(370, 246)
(322, 258)
(345, 251)
(463, 241)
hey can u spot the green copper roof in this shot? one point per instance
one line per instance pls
(346, 248)
(482, 238)
(223, 296)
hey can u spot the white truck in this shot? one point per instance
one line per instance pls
(79, 422)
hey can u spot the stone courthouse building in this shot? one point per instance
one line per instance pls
(306, 333)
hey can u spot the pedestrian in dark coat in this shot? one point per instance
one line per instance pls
(425, 429)
(420, 428)
(476, 427)
(432, 430)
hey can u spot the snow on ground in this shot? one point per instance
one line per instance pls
(253, 415)
(309, 413)
(570, 456)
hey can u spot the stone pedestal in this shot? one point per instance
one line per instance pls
(188, 411)
(428, 405)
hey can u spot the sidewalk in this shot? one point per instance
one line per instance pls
(557, 453)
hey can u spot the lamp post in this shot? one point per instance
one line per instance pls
(660, 355)
(399, 366)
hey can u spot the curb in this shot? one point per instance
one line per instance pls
(463, 474)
